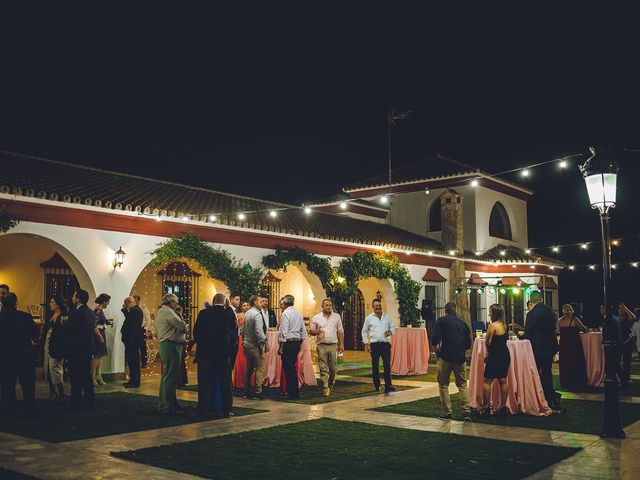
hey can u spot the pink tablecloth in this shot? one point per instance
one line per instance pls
(409, 351)
(593, 358)
(525, 390)
(273, 365)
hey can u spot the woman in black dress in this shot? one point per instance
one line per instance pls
(100, 339)
(497, 360)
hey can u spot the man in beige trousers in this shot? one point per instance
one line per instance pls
(327, 327)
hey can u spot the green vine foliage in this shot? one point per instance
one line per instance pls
(7, 220)
(342, 282)
(218, 263)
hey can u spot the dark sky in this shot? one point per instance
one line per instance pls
(288, 101)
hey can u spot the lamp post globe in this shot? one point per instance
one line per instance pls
(600, 173)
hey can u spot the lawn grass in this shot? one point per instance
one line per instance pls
(632, 390)
(579, 416)
(114, 413)
(6, 474)
(365, 372)
(332, 449)
(430, 376)
(342, 390)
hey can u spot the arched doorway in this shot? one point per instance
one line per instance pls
(298, 281)
(36, 268)
(184, 277)
(353, 320)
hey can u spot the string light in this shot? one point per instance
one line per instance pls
(384, 199)
(503, 252)
(562, 164)
(592, 267)
(343, 205)
(213, 218)
(556, 249)
(571, 267)
(273, 214)
(525, 172)
(474, 182)
(307, 210)
(185, 218)
(584, 246)
(528, 251)
(613, 266)
(634, 264)
(478, 254)
(241, 216)
(452, 252)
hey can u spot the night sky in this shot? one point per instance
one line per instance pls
(289, 102)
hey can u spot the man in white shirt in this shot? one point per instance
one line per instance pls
(292, 334)
(327, 327)
(376, 336)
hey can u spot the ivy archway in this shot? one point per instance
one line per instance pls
(341, 282)
(218, 263)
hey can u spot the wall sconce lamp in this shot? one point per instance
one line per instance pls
(118, 258)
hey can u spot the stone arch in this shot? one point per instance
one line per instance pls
(23, 240)
(369, 286)
(500, 223)
(315, 292)
(434, 215)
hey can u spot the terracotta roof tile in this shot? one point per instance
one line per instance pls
(58, 180)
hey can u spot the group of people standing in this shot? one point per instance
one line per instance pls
(452, 339)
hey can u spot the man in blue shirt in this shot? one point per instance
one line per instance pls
(452, 338)
(376, 336)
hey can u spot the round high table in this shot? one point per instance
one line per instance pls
(273, 365)
(593, 358)
(409, 351)
(525, 390)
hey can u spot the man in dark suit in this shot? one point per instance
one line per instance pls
(540, 330)
(214, 333)
(16, 360)
(79, 332)
(234, 305)
(131, 337)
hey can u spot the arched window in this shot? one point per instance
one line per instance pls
(435, 218)
(499, 225)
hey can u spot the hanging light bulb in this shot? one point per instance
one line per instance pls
(584, 246)
(241, 216)
(571, 267)
(503, 253)
(426, 191)
(452, 252)
(634, 264)
(307, 210)
(563, 163)
(525, 172)
(556, 249)
(478, 254)
(592, 267)
(474, 182)
(273, 214)
(384, 199)
(213, 218)
(343, 205)
(527, 251)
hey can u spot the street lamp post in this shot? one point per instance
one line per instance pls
(600, 175)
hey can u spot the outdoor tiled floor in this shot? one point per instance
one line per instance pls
(90, 459)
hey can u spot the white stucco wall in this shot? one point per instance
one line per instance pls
(90, 254)
(516, 210)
